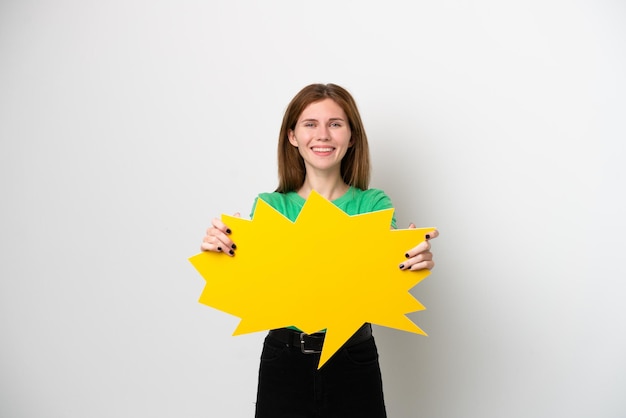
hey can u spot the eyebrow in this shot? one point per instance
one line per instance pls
(315, 120)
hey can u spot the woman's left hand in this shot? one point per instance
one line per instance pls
(420, 257)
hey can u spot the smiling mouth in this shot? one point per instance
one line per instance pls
(320, 149)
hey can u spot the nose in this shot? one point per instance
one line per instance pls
(323, 133)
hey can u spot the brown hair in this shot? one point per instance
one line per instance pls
(355, 165)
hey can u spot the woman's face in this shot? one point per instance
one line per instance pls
(322, 135)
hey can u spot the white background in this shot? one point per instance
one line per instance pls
(125, 126)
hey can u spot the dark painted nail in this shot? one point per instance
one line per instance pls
(401, 266)
(427, 236)
(406, 255)
(234, 246)
(219, 248)
(228, 231)
(231, 252)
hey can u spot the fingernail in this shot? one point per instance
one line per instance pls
(406, 255)
(228, 231)
(427, 236)
(219, 248)
(231, 252)
(234, 247)
(401, 266)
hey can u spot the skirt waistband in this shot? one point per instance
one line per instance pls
(313, 343)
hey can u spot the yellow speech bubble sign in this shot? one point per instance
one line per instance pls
(325, 271)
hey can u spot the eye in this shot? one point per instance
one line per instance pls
(309, 124)
(336, 124)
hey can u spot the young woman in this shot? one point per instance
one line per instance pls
(323, 147)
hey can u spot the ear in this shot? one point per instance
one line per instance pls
(292, 138)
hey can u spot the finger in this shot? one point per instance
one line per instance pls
(423, 265)
(430, 235)
(420, 248)
(416, 260)
(214, 243)
(425, 256)
(218, 224)
(217, 238)
(237, 215)
(419, 262)
(433, 234)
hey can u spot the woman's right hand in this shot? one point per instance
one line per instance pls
(217, 238)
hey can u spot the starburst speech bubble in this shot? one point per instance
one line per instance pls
(326, 271)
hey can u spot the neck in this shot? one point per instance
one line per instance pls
(330, 188)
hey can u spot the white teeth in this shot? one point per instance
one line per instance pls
(322, 149)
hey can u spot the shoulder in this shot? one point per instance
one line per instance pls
(271, 197)
(357, 201)
(364, 201)
(285, 203)
(277, 200)
(374, 199)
